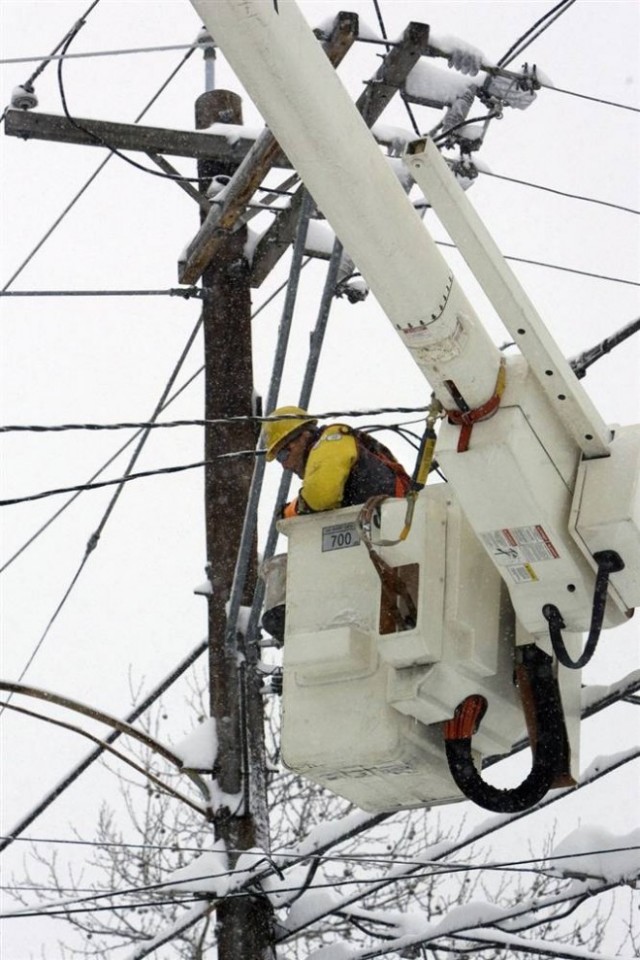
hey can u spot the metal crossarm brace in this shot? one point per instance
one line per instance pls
(264, 154)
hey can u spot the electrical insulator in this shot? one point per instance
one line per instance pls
(23, 98)
(218, 184)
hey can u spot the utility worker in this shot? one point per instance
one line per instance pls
(338, 466)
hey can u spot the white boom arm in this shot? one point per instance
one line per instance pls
(546, 422)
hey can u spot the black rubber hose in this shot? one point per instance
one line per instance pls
(608, 562)
(550, 750)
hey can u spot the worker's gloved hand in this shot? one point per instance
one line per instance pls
(288, 510)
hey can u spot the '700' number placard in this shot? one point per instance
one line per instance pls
(339, 537)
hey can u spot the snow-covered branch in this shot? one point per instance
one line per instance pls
(441, 850)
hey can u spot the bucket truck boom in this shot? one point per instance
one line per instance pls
(516, 529)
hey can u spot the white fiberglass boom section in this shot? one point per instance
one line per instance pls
(289, 78)
(552, 371)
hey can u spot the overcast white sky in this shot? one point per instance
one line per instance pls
(107, 359)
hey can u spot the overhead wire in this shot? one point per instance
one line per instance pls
(186, 293)
(389, 44)
(93, 540)
(385, 40)
(95, 173)
(196, 422)
(476, 834)
(95, 536)
(542, 23)
(584, 96)
(583, 361)
(80, 768)
(170, 886)
(560, 193)
(104, 143)
(121, 449)
(68, 911)
(555, 266)
(534, 31)
(98, 53)
(366, 858)
(578, 364)
(74, 728)
(197, 292)
(157, 173)
(28, 84)
(485, 829)
(83, 765)
(526, 865)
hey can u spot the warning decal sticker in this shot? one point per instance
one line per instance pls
(517, 548)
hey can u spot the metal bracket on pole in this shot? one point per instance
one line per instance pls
(453, 208)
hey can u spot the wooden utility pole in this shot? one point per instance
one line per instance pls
(244, 924)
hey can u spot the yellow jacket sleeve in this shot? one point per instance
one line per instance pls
(328, 467)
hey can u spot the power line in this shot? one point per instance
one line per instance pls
(58, 908)
(477, 833)
(28, 84)
(169, 884)
(482, 831)
(95, 537)
(297, 858)
(383, 31)
(178, 468)
(197, 292)
(104, 143)
(114, 456)
(555, 266)
(56, 223)
(138, 710)
(362, 857)
(543, 23)
(218, 421)
(101, 53)
(67, 911)
(386, 42)
(185, 292)
(560, 193)
(581, 363)
(584, 96)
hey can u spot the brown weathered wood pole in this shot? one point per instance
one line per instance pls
(244, 929)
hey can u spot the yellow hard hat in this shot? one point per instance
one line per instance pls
(276, 432)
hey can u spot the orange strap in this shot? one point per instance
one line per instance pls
(466, 419)
(403, 482)
(290, 509)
